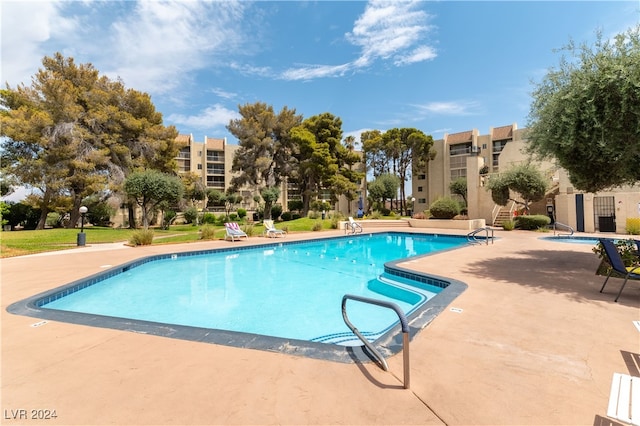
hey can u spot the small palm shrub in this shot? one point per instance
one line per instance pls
(444, 208)
(142, 237)
(376, 214)
(317, 226)
(633, 225)
(532, 222)
(207, 232)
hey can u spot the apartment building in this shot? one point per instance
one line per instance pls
(477, 157)
(211, 161)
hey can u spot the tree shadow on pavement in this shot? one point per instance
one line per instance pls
(565, 272)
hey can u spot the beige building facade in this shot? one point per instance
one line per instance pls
(478, 157)
(211, 160)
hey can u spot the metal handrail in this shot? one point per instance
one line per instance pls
(376, 353)
(471, 236)
(569, 228)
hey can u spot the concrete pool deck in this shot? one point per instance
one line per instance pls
(532, 341)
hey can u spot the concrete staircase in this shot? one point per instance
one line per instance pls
(504, 215)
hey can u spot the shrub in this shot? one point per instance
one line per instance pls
(286, 216)
(375, 215)
(633, 225)
(190, 215)
(531, 222)
(168, 217)
(209, 218)
(233, 217)
(314, 214)
(54, 220)
(385, 211)
(142, 237)
(249, 230)
(276, 211)
(508, 225)
(444, 208)
(295, 205)
(627, 250)
(207, 232)
(317, 226)
(242, 213)
(295, 216)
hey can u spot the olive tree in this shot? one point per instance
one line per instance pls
(149, 188)
(586, 113)
(524, 180)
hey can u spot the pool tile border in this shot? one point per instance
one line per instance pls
(389, 343)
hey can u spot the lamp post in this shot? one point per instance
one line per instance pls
(413, 203)
(82, 237)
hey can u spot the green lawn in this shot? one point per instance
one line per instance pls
(18, 243)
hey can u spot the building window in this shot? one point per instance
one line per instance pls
(215, 155)
(458, 173)
(422, 200)
(498, 146)
(419, 189)
(460, 149)
(422, 177)
(215, 169)
(215, 181)
(199, 166)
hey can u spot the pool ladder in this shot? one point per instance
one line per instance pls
(369, 346)
(562, 225)
(471, 236)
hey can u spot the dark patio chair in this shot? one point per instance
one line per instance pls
(617, 265)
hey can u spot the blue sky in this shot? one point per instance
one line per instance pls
(441, 67)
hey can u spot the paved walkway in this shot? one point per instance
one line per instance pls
(531, 341)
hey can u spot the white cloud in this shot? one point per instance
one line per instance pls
(423, 53)
(160, 43)
(448, 108)
(26, 27)
(315, 71)
(223, 93)
(216, 116)
(386, 30)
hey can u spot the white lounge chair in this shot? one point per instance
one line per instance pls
(354, 226)
(270, 229)
(624, 399)
(234, 231)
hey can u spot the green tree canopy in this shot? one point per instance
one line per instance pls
(384, 187)
(73, 133)
(150, 188)
(459, 187)
(524, 180)
(586, 113)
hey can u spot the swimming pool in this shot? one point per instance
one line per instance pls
(265, 296)
(572, 239)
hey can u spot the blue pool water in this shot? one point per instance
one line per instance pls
(288, 290)
(573, 239)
